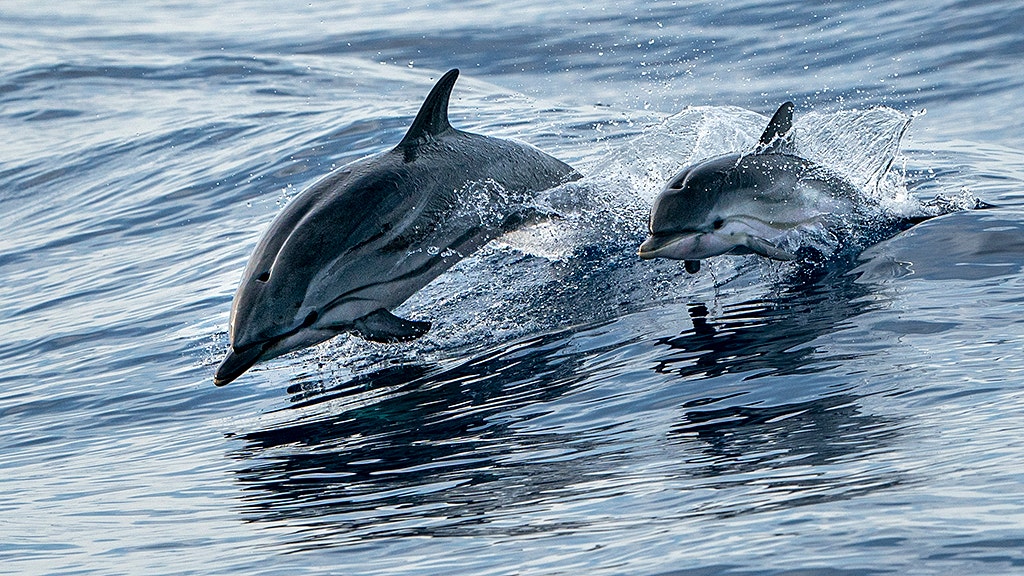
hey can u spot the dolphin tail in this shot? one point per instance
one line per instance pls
(776, 137)
(384, 327)
(765, 248)
(432, 119)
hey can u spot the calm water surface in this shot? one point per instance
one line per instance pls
(574, 410)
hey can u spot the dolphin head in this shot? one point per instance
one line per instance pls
(711, 207)
(318, 268)
(271, 313)
(686, 219)
(744, 203)
(735, 203)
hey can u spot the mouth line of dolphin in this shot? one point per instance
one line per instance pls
(239, 360)
(655, 243)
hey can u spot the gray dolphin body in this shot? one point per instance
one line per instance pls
(745, 203)
(362, 240)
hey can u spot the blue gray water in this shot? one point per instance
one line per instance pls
(574, 410)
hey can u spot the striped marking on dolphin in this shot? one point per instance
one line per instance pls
(355, 245)
(745, 203)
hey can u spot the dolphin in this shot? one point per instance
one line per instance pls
(353, 246)
(742, 203)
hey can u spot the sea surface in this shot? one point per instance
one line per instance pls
(574, 410)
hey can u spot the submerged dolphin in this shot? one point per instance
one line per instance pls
(745, 203)
(362, 240)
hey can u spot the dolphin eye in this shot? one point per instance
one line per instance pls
(718, 223)
(310, 318)
(263, 277)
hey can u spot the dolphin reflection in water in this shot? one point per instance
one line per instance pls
(358, 243)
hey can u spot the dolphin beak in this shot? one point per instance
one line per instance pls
(236, 363)
(648, 248)
(685, 245)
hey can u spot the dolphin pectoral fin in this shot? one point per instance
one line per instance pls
(692, 266)
(383, 326)
(765, 248)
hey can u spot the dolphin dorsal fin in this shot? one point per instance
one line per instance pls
(432, 119)
(776, 137)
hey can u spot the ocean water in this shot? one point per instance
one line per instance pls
(573, 410)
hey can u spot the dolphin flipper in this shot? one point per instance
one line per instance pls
(776, 137)
(383, 326)
(692, 266)
(765, 248)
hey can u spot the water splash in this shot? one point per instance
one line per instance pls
(575, 264)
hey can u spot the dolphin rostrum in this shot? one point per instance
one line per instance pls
(745, 203)
(352, 247)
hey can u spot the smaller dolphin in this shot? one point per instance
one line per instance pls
(356, 244)
(745, 203)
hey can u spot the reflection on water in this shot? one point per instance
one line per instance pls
(772, 335)
(804, 444)
(797, 441)
(434, 437)
(432, 450)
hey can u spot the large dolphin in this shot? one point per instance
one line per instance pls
(743, 203)
(356, 244)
